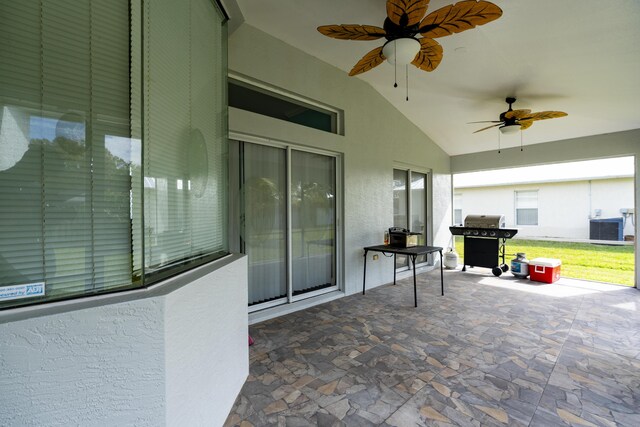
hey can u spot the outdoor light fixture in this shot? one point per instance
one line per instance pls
(401, 52)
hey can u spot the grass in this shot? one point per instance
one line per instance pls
(601, 263)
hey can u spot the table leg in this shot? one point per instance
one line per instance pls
(364, 275)
(415, 288)
(441, 276)
(394, 268)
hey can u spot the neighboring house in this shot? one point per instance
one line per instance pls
(557, 209)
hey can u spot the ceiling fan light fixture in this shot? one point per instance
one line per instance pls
(509, 129)
(401, 51)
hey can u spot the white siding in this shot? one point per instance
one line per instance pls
(564, 208)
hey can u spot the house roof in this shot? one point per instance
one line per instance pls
(577, 56)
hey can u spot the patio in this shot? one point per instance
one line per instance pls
(492, 351)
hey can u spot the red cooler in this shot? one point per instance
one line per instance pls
(545, 270)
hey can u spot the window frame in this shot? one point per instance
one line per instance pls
(428, 229)
(337, 115)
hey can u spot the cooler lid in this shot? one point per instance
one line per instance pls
(545, 262)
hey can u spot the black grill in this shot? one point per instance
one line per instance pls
(485, 247)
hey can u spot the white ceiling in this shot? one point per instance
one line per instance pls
(577, 56)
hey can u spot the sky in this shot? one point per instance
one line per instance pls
(620, 166)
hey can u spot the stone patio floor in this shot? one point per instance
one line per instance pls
(492, 351)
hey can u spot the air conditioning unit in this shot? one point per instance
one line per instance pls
(606, 229)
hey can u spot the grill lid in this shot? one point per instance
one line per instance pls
(485, 221)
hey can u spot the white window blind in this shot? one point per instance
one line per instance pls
(64, 135)
(185, 147)
(85, 206)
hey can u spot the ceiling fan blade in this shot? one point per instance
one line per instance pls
(518, 114)
(406, 13)
(525, 124)
(429, 56)
(486, 121)
(488, 127)
(369, 61)
(544, 115)
(458, 17)
(352, 32)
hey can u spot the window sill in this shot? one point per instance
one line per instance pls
(157, 289)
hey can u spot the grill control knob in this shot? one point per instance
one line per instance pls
(475, 232)
(492, 233)
(483, 232)
(507, 234)
(466, 232)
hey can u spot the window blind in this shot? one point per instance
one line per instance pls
(113, 146)
(64, 99)
(185, 147)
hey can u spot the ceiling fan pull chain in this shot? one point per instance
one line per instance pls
(499, 142)
(406, 73)
(395, 68)
(521, 140)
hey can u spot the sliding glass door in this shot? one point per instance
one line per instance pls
(284, 220)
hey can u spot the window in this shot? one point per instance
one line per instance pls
(526, 207)
(457, 208)
(88, 208)
(246, 96)
(410, 207)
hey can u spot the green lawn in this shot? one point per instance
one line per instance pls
(602, 263)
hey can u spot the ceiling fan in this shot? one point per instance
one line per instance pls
(512, 120)
(402, 26)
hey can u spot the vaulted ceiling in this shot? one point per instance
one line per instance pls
(578, 56)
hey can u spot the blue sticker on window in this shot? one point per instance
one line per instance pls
(21, 291)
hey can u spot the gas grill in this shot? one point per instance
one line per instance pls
(485, 237)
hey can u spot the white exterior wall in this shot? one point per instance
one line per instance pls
(370, 147)
(174, 359)
(564, 208)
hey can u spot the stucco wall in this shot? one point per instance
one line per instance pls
(370, 147)
(178, 358)
(564, 208)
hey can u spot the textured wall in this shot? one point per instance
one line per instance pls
(207, 354)
(93, 367)
(175, 359)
